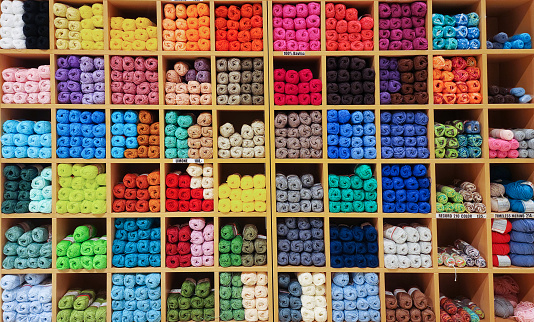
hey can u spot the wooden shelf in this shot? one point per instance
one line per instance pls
(500, 67)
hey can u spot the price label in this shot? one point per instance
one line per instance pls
(200, 161)
(294, 53)
(459, 216)
(508, 215)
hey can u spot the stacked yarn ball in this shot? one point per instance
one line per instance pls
(250, 143)
(189, 85)
(137, 193)
(28, 246)
(239, 28)
(298, 135)
(405, 189)
(292, 87)
(346, 30)
(240, 81)
(500, 242)
(134, 80)
(26, 139)
(81, 134)
(464, 194)
(458, 139)
(190, 244)
(355, 297)
(456, 80)
(82, 305)
(508, 195)
(27, 297)
(403, 306)
(297, 27)
(133, 34)
(243, 194)
(24, 25)
(301, 242)
(517, 41)
(521, 243)
(455, 32)
(79, 28)
(245, 248)
(404, 135)
(302, 298)
(503, 95)
(27, 188)
(516, 143)
(461, 308)
(191, 190)
(136, 296)
(26, 85)
(135, 134)
(243, 296)
(186, 28)
(460, 255)
(353, 193)
(82, 189)
(133, 245)
(407, 246)
(354, 246)
(404, 80)
(402, 26)
(186, 139)
(351, 134)
(81, 80)
(506, 296)
(349, 81)
(82, 250)
(195, 300)
(296, 193)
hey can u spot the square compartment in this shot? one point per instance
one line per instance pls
(278, 239)
(281, 134)
(169, 134)
(3, 188)
(27, 61)
(146, 232)
(472, 231)
(475, 286)
(512, 17)
(511, 70)
(299, 63)
(239, 223)
(238, 120)
(207, 205)
(471, 172)
(19, 114)
(287, 169)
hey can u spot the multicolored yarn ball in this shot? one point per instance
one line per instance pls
(458, 139)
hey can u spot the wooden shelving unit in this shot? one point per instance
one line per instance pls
(501, 67)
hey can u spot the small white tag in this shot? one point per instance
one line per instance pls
(509, 215)
(389, 293)
(294, 53)
(75, 293)
(104, 238)
(262, 237)
(104, 304)
(528, 205)
(504, 261)
(413, 289)
(399, 290)
(199, 161)
(175, 291)
(69, 238)
(499, 225)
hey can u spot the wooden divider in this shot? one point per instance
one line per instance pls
(501, 67)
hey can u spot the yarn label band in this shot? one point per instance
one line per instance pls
(513, 215)
(294, 53)
(199, 161)
(499, 226)
(459, 216)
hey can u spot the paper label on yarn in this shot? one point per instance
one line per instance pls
(413, 289)
(262, 237)
(69, 238)
(398, 290)
(513, 215)
(75, 293)
(104, 304)
(504, 261)
(294, 53)
(104, 237)
(499, 225)
(95, 304)
(528, 205)
(445, 215)
(175, 291)
(389, 293)
(199, 161)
